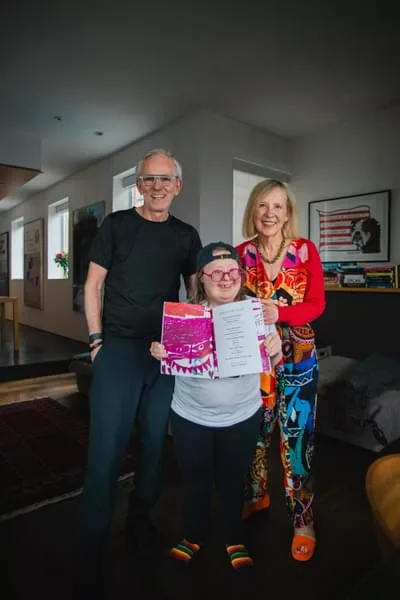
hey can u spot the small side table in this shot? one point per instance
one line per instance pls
(14, 301)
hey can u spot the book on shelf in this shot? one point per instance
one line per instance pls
(396, 275)
(361, 275)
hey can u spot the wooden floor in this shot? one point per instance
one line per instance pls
(41, 353)
(54, 386)
(37, 549)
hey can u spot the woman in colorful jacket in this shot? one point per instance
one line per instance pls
(285, 271)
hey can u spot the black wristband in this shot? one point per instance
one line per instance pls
(95, 344)
(93, 337)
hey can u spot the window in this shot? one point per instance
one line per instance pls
(58, 237)
(243, 183)
(17, 248)
(125, 192)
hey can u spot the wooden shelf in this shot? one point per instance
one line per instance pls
(363, 289)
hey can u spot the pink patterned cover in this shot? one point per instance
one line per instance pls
(188, 336)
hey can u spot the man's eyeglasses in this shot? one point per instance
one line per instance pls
(164, 180)
(219, 274)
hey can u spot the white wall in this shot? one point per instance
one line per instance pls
(223, 141)
(355, 158)
(206, 145)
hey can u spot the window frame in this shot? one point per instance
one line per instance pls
(17, 225)
(58, 234)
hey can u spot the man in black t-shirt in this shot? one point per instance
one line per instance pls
(136, 264)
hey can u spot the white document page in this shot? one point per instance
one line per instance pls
(236, 340)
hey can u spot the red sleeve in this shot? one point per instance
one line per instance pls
(313, 304)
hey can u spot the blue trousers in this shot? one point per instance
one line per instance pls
(126, 387)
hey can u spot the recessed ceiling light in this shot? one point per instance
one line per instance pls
(99, 133)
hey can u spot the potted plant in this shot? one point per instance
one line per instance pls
(61, 260)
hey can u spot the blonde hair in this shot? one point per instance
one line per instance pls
(263, 188)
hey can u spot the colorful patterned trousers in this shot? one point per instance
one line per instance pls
(289, 400)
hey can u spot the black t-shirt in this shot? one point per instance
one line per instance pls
(145, 260)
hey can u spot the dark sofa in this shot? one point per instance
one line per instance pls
(81, 365)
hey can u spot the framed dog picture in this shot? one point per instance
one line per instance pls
(351, 228)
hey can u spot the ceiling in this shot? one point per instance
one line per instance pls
(125, 69)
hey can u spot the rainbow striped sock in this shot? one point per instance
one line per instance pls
(184, 551)
(239, 556)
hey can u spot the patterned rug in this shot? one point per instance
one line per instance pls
(43, 451)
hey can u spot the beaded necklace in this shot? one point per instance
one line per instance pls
(271, 261)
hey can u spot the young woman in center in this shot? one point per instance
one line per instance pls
(215, 422)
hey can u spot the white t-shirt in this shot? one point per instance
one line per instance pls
(217, 402)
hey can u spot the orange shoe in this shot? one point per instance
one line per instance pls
(303, 547)
(252, 507)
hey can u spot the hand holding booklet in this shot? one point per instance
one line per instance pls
(225, 341)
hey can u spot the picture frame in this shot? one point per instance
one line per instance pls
(4, 264)
(351, 228)
(86, 223)
(33, 263)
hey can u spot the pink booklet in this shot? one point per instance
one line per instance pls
(226, 341)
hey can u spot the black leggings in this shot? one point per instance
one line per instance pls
(214, 454)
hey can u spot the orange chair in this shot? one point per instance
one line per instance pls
(383, 491)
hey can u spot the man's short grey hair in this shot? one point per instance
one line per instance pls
(139, 166)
